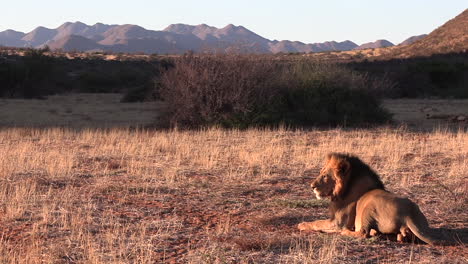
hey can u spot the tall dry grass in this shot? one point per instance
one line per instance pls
(69, 196)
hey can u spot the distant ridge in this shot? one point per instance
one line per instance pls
(180, 38)
(381, 43)
(412, 39)
(174, 39)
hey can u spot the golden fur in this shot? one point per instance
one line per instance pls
(360, 206)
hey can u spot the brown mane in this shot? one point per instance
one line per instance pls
(351, 173)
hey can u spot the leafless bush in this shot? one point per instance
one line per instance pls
(217, 89)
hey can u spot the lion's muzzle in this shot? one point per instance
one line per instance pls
(317, 194)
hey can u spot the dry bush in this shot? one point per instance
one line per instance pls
(218, 89)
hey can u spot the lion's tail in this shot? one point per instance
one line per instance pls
(418, 224)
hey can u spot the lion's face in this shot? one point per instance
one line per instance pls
(324, 184)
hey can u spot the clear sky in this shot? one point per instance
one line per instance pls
(303, 20)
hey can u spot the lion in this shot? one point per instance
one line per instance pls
(361, 207)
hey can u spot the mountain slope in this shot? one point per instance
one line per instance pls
(39, 36)
(121, 33)
(450, 37)
(74, 42)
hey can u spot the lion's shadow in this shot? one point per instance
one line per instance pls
(457, 235)
(460, 235)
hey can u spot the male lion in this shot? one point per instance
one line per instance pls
(360, 206)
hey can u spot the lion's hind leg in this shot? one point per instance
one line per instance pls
(320, 225)
(405, 235)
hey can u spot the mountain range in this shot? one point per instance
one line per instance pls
(175, 39)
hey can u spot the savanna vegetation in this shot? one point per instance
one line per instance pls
(241, 91)
(213, 196)
(35, 73)
(440, 75)
(86, 193)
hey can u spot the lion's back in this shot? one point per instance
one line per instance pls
(386, 209)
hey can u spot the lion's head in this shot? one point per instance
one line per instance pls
(341, 171)
(330, 182)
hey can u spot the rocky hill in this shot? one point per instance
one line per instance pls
(450, 37)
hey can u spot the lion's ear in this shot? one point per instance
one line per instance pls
(341, 173)
(330, 156)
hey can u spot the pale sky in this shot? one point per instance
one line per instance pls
(308, 21)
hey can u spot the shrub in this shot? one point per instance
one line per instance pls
(440, 75)
(226, 90)
(27, 76)
(37, 73)
(328, 94)
(242, 91)
(142, 93)
(436, 78)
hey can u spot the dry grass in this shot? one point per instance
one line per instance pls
(211, 196)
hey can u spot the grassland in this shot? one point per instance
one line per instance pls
(212, 196)
(102, 190)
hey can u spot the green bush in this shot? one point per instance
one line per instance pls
(440, 75)
(37, 73)
(27, 76)
(327, 94)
